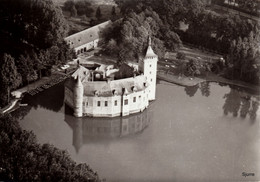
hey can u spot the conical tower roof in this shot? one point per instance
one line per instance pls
(78, 83)
(150, 52)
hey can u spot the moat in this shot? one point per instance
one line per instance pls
(201, 133)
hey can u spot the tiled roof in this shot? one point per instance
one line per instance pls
(106, 88)
(116, 87)
(82, 72)
(87, 35)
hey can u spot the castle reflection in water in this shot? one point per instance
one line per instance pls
(90, 129)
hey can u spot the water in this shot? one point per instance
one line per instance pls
(201, 133)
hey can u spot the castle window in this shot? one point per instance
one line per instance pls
(139, 97)
(105, 103)
(126, 101)
(151, 80)
(98, 103)
(115, 102)
(150, 65)
(134, 99)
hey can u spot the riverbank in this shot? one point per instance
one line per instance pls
(34, 88)
(188, 81)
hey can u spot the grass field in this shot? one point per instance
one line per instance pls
(99, 2)
(80, 23)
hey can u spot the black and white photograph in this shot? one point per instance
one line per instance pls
(129, 90)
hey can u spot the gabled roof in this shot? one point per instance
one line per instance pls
(81, 72)
(87, 35)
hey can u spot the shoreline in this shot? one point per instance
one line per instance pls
(168, 77)
(187, 82)
(36, 87)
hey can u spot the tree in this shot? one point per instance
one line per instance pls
(9, 76)
(26, 68)
(84, 8)
(113, 11)
(180, 56)
(111, 47)
(73, 11)
(244, 55)
(172, 41)
(134, 29)
(98, 13)
(193, 67)
(36, 23)
(68, 5)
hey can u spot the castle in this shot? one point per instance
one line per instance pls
(96, 93)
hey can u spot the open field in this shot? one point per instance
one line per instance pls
(106, 2)
(79, 23)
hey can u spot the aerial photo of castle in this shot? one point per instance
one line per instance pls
(104, 92)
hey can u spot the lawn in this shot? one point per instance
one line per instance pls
(79, 23)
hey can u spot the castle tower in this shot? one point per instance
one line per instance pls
(149, 67)
(78, 98)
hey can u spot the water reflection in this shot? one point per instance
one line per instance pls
(191, 91)
(177, 146)
(21, 112)
(240, 103)
(51, 99)
(93, 130)
(205, 89)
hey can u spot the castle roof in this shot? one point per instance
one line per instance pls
(87, 35)
(115, 87)
(81, 72)
(109, 88)
(150, 52)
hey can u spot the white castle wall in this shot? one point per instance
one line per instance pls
(87, 46)
(105, 106)
(136, 102)
(116, 105)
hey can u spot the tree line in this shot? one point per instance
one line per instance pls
(32, 34)
(248, 6)
(84, 8)
(127, 38)
(206, 29)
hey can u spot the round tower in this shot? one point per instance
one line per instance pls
(78, 98)
(149, 67)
